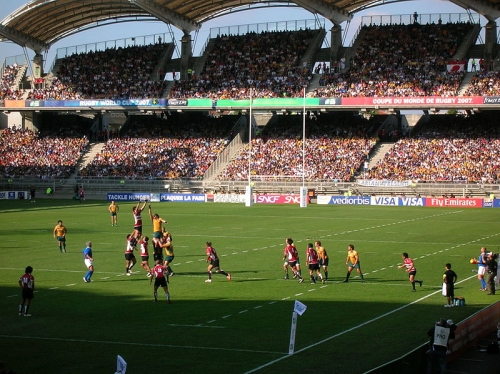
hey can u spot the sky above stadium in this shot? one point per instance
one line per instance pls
(134, 29)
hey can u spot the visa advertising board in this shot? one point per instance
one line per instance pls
(440, 202)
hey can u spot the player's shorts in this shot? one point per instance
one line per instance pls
(157, 234)
(160, 282)
(129, 256)
(291, 263)
(169, 258)
(481, 270)
(412, 273)
(314, 266)
(145, 258)
(27, 293)
(88, 263)
(113, 214)
(357, 266)
(215, 263)
(138, 228)
(61, 238)
(323, 262)
(450, 290)
(158, 256)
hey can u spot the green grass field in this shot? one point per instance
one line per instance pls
(243, 325)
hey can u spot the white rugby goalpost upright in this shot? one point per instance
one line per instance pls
(249, 188)
(303, 190)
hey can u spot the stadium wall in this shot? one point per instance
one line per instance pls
(467, 335)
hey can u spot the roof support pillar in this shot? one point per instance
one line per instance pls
(186, 54)
(335, 42)
(490, 41)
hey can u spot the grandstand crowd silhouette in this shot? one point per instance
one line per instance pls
(391, 60)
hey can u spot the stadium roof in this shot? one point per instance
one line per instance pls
(40, 23)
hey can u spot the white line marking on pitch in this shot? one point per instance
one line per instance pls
(206, 327)
(351, 329)
(140, 344)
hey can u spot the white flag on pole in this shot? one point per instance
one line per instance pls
(121, 365)
(299, 308)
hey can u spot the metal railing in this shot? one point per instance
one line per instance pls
(9, 61)
(118, 43)
(407, 19)
(295, 25)
(225, 156)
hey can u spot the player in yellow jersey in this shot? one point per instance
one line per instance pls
(323, 258)
(60, 236)
(157, 226)
(166, 243)
(352, 262)
(113, 210)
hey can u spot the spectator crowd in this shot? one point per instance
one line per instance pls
(7, 89)
(449, 148)
(158, 148)
(24, 153)
(335, 147)
(400, 60)
(116, 73)
(269, 63)
(484, 83)
(390, 60)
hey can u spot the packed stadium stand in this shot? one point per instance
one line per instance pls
(270, 63)
(447, 148)
(121, 73)
(10, 82)
(153, 147)
(24, 153)
(400, 60)
(336, 146)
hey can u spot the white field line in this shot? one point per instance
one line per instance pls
(351, 329)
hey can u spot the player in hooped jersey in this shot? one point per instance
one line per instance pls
(136, 212)
(27, 283)
(312, 261)
(143, 244)
(130, 259)
(411, 270)
(290, 256)
(161, 280)
(214, 263)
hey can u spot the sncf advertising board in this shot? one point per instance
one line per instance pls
(277, 199)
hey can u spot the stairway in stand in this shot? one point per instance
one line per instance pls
(87, 157)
